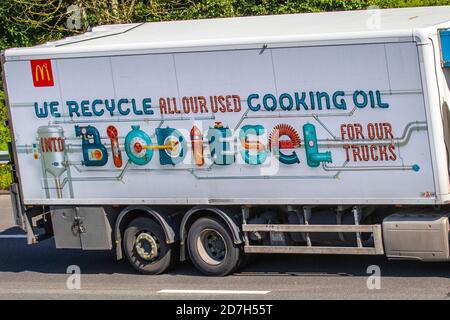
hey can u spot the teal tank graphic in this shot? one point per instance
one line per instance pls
(253, 152)
(94, 152)
(136, 143)
(313, 156)
(173, 146)
(219, 143)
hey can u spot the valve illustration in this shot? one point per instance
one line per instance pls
(313, 156)
(172, 146)
(197, 146)
(136, 143)
(247, 144)
(113, 135)
(94, 152)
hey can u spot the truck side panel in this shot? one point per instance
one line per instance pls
(328, 124)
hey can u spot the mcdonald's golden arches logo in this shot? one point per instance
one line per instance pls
(42, 73)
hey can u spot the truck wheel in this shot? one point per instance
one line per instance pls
(211, 247)
(146, 248)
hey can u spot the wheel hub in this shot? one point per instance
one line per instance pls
(146, 246)
(212, 247)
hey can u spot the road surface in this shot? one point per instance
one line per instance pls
(40, 272)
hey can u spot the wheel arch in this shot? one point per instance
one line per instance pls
(130, 212)
(192, 214)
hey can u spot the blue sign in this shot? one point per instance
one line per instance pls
(445, 47)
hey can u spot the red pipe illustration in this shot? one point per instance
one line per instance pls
(197, 146)
(284, 130)
(114, 137)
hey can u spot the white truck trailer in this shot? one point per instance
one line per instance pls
(209, 140)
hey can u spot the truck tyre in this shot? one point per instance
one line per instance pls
(146, 248)
(211, 247)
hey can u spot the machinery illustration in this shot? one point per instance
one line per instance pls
(172, 146)
(313, 156)
(139, 146)
(249, 145)
(94, 152)
(115, 148)
(276, 144)
(53, 153)
(136, 143)
(197, 146)
(219, 138)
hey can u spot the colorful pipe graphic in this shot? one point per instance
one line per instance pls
(244, 136)
(313, 156)
(94, 153)
(172, 146)
(219, 143)
(113, 135)
(135, 143)
(276, 144)
(197, 146)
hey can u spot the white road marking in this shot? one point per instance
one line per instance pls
(213, 291)
(59, 292)
(121, 293)
(13, 236)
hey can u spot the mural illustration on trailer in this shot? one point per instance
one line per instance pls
(219, 145)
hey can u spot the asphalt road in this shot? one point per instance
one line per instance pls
(40, 272)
